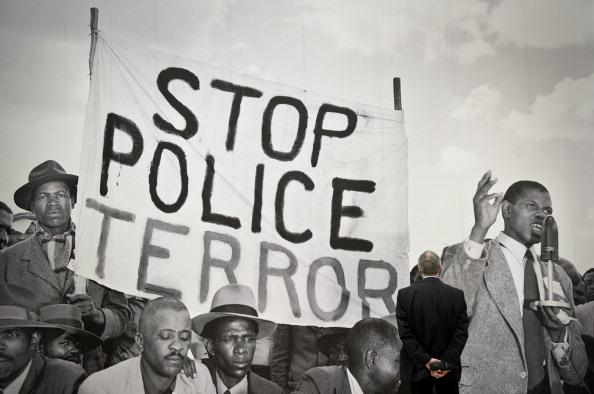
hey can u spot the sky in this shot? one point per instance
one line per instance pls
(506, 85)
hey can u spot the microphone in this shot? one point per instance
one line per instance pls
(549, 240)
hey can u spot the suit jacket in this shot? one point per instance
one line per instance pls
(256, 384)
(26, 265)
(52, 376)
(494, 351)
(325, 380)
(126, 377)
(432, 323)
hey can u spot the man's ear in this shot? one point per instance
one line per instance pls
(209, 345)
(506, 208)
(139, 339)
(370, 358)
(35, 340)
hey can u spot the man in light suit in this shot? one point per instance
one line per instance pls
(513, 347)
(164, 336)
(433, 327)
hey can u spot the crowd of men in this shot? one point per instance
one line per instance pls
(476, 324)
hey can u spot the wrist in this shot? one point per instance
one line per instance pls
(478, 233)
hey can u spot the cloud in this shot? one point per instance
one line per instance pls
(455, 160)
(545, 24)
(566, 113)
(480, 103)
(465, 30)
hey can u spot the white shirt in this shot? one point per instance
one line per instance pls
(15, 386)
(514, 252)
(239, 388)
(355, 388)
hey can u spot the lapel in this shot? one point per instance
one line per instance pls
(134, 383)
(38, 263)
(346, 386)
(500, 285)
(35, 371)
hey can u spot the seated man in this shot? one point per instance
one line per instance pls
(75, 340)
(230, 330)
(373, 347)
(22, 369)
(163, 339)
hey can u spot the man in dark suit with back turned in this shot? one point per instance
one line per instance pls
(433, 327)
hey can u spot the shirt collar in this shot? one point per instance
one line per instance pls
(355, 387)
(239, 388)
(515, 247)
(15, 386)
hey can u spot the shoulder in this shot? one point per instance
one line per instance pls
(63, 369)
(324, 373)
(260, 385)
(202, 383)
(110, 377)
(59, 374)
(16, 251)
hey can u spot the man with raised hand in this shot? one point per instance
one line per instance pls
(164, 337)
(513, 347)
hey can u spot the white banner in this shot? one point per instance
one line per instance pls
(194, 176)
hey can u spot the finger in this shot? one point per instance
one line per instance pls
(488, 197)
(78, 297)
(498, 200)
(486, 176)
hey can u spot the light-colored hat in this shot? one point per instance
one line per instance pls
(45, 172)
(236, 301)
(68, 317)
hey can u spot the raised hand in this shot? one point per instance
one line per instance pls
(485, 212)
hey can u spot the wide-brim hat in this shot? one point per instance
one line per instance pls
(330, 337)
(234, 300)
(69, 318)
(18, 309)
(47, 171)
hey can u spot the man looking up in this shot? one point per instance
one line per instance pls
(164, 336)
(513, 346)
(373, 347)
(231, 329)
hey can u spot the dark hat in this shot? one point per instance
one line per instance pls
(68, 318)
(47, 171)
(237, 301)
(330, 337)
(18, 309)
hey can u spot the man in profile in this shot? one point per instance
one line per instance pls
(373, 348)
(433, 327)
(230, 330)
(164, 336)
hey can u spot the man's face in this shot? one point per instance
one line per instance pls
(233, 348)
(166, 341)
(51, 205)
(387, 368)
(17, 346)
(524, 218)
(337, 354)
(67, 347)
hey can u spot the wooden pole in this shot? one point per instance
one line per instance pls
(94, 35)
(397, 98)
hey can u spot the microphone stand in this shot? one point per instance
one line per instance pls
(549, 243)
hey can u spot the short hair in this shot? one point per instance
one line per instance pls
(158, 304)
(589, 279)
(429, 263)
(212, 327)
(369, 333)
(518, 188)
(4, 207)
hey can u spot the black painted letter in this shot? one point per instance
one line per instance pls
(267, 127)
(279, 203)
(311, 289)
(209, 261)
(166, 76)
(352, 211)
(207, 214)
(319, 130)
(115, 121)
(154, 175)
(385, 294)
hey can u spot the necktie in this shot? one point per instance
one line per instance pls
(227, 392)
(534, 345)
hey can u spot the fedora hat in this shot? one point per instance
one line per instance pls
(47, 171)
(68, 318)
(18, 309)
(236, 301)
